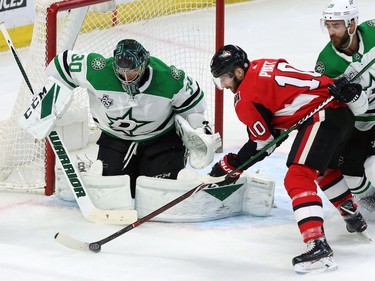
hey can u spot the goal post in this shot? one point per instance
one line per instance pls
(184, 33)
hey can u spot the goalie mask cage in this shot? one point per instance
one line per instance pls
(184, 33)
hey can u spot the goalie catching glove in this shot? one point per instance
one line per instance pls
(198, 138)
(225, 166)
(344, 91)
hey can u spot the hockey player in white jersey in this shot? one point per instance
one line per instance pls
(352, 50)
(134, 99)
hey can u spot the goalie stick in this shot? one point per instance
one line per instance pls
(88, 209)
(209, 182)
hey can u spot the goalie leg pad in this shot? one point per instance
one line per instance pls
(106, 192)
(258, 196)
(213, 203)
(109, 192)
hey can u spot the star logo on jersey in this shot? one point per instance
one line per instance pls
(126, 124)
(357, 57)
(371, 23)
(369, 81)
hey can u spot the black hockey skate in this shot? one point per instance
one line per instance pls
(353, 218)
(317, 258)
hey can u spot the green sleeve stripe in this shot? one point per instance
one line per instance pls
(364, 118)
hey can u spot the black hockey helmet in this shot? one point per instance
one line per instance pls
(227, 58)
(130, 60)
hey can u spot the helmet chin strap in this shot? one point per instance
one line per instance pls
(350, 38)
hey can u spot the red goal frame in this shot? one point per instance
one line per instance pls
(51, 43)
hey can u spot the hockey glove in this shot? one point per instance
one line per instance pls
(344, 91)
(225, 166)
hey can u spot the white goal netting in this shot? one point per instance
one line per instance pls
(180, 32)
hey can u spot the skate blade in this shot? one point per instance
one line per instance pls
(365, 236)
(323, 265)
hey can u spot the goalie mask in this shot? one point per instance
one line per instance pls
(225, 61)
(130, 60)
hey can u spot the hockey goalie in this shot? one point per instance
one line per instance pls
(151, 116)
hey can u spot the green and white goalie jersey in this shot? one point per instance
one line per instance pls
(334, 64)
(135, 113)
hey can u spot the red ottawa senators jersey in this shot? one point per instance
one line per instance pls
(275, 95)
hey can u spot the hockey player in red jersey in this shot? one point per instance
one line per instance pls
(271, 95)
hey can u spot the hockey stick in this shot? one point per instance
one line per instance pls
(96, 246)
(88, 209)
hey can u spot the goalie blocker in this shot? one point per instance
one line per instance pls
(46, 108)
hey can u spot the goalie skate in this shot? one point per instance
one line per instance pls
(317, 258)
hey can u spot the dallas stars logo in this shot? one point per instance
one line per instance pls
(127, 124)
(357, 57)
(98, 63)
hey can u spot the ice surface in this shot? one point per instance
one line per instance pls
(237, 248)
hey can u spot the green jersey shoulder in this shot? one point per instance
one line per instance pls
(332, 63)
(360, 65)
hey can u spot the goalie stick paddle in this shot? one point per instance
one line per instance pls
(88, 209)
(208, 182)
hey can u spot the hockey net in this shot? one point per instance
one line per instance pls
(180, 32)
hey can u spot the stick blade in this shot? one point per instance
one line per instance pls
(121, 217)
(71, 243)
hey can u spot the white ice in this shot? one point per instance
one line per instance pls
(237, 248)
